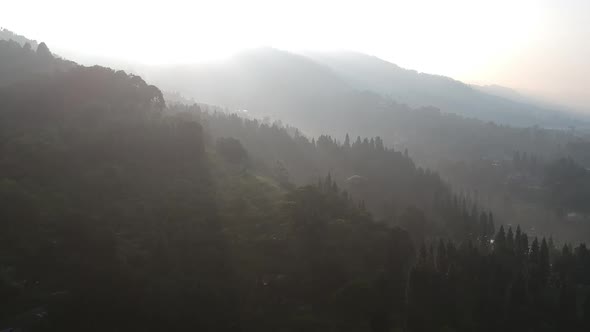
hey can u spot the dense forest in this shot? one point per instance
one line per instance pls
(349, 97)
(525, 190)
(121, 212)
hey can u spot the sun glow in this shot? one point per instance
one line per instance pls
(502, 42)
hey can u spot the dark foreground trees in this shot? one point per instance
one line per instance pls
(470, 287)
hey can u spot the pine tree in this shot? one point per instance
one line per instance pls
(358, 142)
(586, 313)
(536, 278)
(551, 244)
(516, 159)
(492, 226)
(534, 256)
(379, 144)
(500, 240)
(518, 241)
(544, 261)
(281, 173)
(510, 239)
(43, 51)
(524, 243)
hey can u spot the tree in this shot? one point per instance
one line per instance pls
(500, 240)
(281, 173)
(518, 245)
(544, 267)
(524, 243)
(415, 222)
(358, 142)
(492, 226)
(510, 240)
(534, 255)
(232, 150)
(43, 51)
(379, 144)
(586, 313)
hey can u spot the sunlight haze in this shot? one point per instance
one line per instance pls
(295, 165)
(538, 47)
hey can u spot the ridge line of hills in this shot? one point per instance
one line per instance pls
(339, 71)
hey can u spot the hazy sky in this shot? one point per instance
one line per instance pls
(536, 46)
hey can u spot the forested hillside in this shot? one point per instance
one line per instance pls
(385, 180)
(119, 212)
(389, 181)
(23, 62)
(545, 195)
(276, 84)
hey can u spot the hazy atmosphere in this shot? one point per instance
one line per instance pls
(295, 166)
(539, 47)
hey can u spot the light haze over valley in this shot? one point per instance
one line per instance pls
(261, 165)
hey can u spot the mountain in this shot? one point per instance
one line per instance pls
(6, 34)
(555, 113)
(283, 80)
(501, 91)
(22, 62)
(114, 204)
(313, 97)
(323, 99)
(121, 213)
(265, 81)
(451, 96)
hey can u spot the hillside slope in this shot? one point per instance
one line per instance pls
(451, 96)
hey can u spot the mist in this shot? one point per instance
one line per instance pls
(537, 47)
(294, 166)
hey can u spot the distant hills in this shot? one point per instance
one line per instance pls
(492, 103)
(501, 91)
(283, 79)
(348, 93)
(266, 81)
(6, 34)
(550, 108)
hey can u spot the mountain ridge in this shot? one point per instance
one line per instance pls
(419, 89)
(246, 75)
